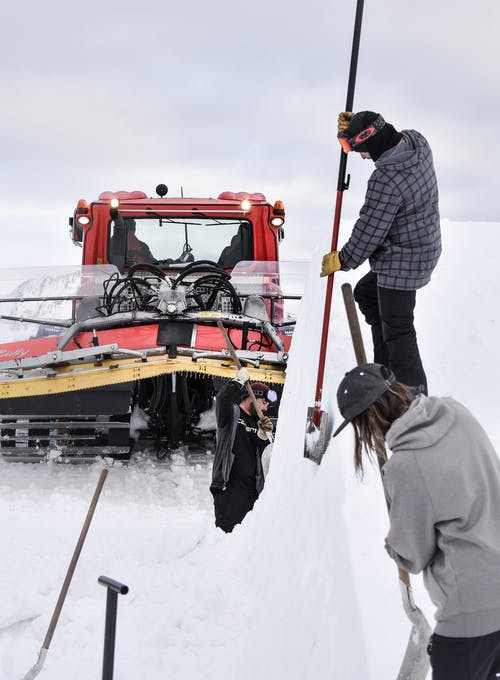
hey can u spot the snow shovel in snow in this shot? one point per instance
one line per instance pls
(35, 670)
(415, 665)
(318, 427)
(248, 387)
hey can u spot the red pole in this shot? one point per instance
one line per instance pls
(326, 317)
(341, 187)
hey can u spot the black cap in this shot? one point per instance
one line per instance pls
(361, 388)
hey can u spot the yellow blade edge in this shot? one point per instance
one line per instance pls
(115, 371)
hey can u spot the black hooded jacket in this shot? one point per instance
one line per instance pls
(237, 461)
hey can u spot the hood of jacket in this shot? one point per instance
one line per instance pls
(425, 423)
(404, 155)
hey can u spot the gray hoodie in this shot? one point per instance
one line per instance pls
(443, 484)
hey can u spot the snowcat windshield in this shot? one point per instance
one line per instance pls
(176, 241)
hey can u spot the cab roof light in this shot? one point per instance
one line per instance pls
(279, 208)
(246, 205)
(278, 218)
(82, 212)
(114, 204)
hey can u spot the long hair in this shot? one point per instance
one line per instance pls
(371, 426)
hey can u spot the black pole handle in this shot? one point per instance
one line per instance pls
(114, 588)
(341, 183)
(118, 587)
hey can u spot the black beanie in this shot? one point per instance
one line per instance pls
(383, 139)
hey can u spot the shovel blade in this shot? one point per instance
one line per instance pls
(318, 431)
(35, 670)
(416, 662)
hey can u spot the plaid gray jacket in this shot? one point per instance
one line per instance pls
(398, 226)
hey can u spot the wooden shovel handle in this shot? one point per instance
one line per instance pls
(74, 560)
(234, 357)
(352, 318)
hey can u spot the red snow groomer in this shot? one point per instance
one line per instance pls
(125, 352)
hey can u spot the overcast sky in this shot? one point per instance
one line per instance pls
(221, 95)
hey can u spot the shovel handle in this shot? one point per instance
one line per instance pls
(234, 357)
(74, 560)
(404, 576)
(353, 321)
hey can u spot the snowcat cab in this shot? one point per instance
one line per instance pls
(176, 231)
(125, 351)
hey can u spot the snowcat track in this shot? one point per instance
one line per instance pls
(68, 438)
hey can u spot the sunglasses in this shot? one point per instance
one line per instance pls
(350, 143)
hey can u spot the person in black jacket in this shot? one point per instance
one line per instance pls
(237, 475)
(398, 231)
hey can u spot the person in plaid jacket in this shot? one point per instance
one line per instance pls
(398, 231)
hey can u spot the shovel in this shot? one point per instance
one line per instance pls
(248, 387)
(415, 665)
(318, 427)
(35, 670)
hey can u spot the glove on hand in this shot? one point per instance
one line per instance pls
(343, 120)
(242, 376)
(330, 263)
(264, 427)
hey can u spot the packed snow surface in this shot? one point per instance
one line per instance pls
(303, 589)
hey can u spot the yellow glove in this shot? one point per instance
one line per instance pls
(343, 120)
(264, 427)
(330, 263)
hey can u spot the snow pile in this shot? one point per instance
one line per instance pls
(303, 589)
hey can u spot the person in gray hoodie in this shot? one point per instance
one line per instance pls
(398, 231)
(442, 483)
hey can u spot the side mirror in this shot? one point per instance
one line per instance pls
(75, 231)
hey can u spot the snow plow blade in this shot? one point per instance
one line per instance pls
(102, 372)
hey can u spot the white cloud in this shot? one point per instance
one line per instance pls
(127, 96)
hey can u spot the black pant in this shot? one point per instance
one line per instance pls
(231, 506)
(389, 313)
(476, 658)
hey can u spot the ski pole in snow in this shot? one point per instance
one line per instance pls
(35, 670)
(114, 589)
(415, 663)
(317, 426)
(248, 387)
